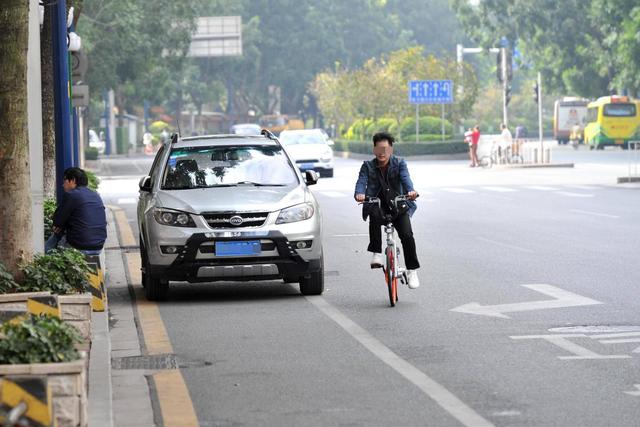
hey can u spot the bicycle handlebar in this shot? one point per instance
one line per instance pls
(377, 200)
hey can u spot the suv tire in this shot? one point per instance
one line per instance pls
(155, 289)
(314, 284)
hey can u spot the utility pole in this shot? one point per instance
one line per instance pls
(505, 84)
(539, 85)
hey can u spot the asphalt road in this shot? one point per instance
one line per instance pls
(550, 256)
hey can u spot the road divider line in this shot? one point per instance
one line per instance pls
(506, 245)
(125, 233)
(175, 403)
(438, 393)
(604, 215)
(571, 194)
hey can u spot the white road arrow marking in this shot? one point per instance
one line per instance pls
(562, 299)
(635, 392)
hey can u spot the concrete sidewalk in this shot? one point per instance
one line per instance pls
(118, 396)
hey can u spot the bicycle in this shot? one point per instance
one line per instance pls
(499, 156)
(392, 270)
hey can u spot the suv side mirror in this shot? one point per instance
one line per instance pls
(145, 183)
(311, 177)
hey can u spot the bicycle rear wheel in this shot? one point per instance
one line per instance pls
(392, 280)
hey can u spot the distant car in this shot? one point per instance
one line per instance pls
(246, 129)
(310, 149)
(228, 208)
(95, 141)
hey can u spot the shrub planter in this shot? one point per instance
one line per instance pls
(76, 311)
(68, 382)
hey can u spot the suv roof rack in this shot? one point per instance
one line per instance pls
(267, 133)
(174, 138)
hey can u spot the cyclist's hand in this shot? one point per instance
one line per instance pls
(360, 197)
(412, 195)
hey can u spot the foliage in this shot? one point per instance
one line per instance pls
(50, 206)
(428, 125)
(61, 271)
(91, 153)
(7, 283)
(406, 148)
(38, 339)
(94, 181)
(586, 48)
(380, 88)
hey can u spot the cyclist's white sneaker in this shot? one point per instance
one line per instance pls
(412, 279)
(377, 260)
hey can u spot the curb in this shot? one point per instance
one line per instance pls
(100, 396)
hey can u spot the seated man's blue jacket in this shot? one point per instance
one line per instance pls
(399, 180)
(82, 217)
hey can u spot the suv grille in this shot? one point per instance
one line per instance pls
(232, 219)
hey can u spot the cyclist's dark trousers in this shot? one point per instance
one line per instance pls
(403, 228)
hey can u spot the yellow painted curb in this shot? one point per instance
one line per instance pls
(175, 403)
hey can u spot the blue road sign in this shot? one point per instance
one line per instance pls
(430, 92)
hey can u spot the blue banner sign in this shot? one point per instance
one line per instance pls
(430, 92)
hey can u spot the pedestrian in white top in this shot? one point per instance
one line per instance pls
(505, 139)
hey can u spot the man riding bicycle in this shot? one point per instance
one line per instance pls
(386, 176)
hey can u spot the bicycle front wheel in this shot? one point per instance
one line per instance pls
(486, 162)
(392, 280)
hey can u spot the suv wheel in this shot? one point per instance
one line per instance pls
(314, 284)
(155, 289)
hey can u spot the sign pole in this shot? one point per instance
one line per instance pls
(417, 121)
(442, 122)
(540, 117)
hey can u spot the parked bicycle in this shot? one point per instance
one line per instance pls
(499, 156)
(392, 269)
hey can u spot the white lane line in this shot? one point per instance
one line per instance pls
(506, 245)
(334, 194)
(604, 215)
(541, 188)
(581, 187)
(570, 194)
(127, 201)
(616, 335)
(351, 235)
(458, 190)
(443, 397)
(620, 341)
(500, 189)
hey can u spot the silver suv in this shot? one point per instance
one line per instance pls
(228, 207)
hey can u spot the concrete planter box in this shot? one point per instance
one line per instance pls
(75, 308)
(76, 311)
(68, 383)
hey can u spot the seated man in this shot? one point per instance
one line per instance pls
(79, 221)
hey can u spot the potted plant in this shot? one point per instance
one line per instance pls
(45, 346)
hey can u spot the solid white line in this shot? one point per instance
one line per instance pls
(570, 194)
(458, 190)
(616, 335)
(506, 245)
(541, 188)
(443, 397)
(334, 194)
(620, 341)
(594, 213)
(500, 189)
(581, 187)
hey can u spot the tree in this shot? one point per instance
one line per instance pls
(15, 198)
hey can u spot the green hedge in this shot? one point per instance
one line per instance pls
(405, 148)
(428, 125)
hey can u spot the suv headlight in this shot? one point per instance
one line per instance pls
(173, 218)
(327, 155)
(295, 213)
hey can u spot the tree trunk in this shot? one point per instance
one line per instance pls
(15, 198)
(48, 105)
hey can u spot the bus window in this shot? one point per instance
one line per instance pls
(592, 114)
(620, 110)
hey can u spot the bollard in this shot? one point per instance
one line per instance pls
(26, 399)
(96, 283)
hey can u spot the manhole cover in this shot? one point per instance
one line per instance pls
(157, 362)
(596, 329)
(160, 361)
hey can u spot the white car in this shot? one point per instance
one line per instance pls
(95, 141)
(310, 149)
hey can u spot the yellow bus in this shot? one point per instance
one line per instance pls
(612, 120)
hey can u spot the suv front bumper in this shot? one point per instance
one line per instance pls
(189, 265)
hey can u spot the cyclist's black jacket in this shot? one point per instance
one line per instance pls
(370, 182)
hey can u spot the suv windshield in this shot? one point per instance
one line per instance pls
(203, 167)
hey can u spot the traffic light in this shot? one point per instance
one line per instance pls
(507, 91)
(536, 93)
(499, 65)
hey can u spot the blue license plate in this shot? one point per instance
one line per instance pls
(246, 247)
(306, 166)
